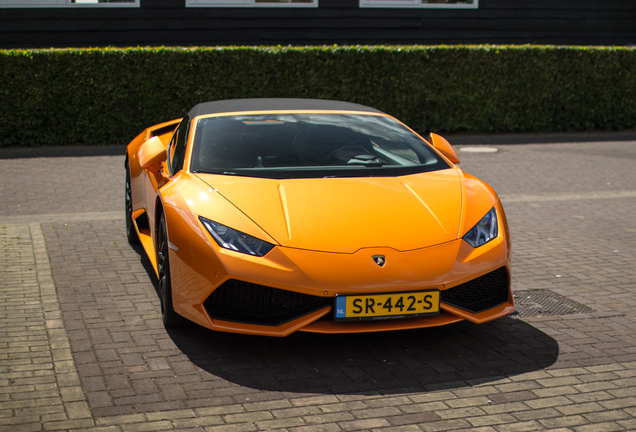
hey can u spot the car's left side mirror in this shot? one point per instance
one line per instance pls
(443, 146)
(152, 153)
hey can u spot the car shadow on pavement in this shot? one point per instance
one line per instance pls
(448, 357)
(374, 363)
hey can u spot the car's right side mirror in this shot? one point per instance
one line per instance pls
(152, 153)
(444, 147)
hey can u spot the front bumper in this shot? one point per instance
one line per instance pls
(293, 290)
(253, 304)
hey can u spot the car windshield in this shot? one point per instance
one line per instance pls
(282, 146)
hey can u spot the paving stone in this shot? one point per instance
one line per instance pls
(406, 428)
(247, 417)
(365, 424)
(316, 428)
(279, 423)
(346, 406)
(628, 424)
(417, 418)
(238, 427)
(605, 427)
(147, 427)
(494, 419)
(588, 397)
(376, 412)
(567, 421)
(445, 425)
(520, 427)
(536, 414)
(460, 413)
(598, 417)
(328, 418)
(555, 391)
(513, 396)
(424, 407)
(467, 402)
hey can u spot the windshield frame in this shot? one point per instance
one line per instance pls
(316, 171)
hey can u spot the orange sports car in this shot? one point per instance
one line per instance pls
(268, 216)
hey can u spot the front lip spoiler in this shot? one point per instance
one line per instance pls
(448, 315)
(263, 330)
(500, 311)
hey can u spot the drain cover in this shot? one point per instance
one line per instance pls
(538, 303)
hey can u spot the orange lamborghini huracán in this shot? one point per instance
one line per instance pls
(268, 216)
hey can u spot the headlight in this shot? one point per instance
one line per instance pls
(485, 230)
(231, 239)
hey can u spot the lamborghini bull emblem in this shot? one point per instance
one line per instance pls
(379, 260)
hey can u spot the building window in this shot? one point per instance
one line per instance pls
(252, 3)
(439, 4)
(67, 3)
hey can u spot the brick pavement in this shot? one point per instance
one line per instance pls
(83, 347)
(40, 383)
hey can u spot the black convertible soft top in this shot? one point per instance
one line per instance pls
(238, 105)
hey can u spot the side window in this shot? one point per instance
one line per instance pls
(178, 146)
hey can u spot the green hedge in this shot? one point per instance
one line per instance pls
(104, 96)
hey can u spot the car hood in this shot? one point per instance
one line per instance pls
(344, 215)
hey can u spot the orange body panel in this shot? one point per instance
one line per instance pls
(316, 213)
(325, 233)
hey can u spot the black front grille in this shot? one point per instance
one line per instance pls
(250, 303)
(478, 295)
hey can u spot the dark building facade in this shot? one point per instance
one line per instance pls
(83, 23)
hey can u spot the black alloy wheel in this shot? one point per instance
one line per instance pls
(131, 233)
(169, 316)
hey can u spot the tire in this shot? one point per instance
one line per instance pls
(169, 316)
(131, 233)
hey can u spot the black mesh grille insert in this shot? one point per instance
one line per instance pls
(257, 304)
(479, 294)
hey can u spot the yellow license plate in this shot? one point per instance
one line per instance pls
(387, 306)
